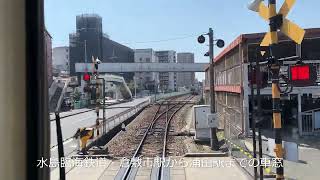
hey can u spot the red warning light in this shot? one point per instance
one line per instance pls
(86, 77)
(300, 72)
(302, 75)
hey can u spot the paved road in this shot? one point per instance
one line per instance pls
(70, 125)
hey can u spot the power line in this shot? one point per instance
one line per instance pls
(165, 40)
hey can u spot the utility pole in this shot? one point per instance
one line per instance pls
(85, 51)
(259, 113)
(104, 106)
(253, 120)
(213, 130)
(155, 91)
(86, 68)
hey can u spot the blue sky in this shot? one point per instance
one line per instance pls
(132, 21)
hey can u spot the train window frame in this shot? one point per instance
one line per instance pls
(37, 115)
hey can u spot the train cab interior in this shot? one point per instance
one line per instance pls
(23, 89)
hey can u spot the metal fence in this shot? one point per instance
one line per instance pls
(308, 123)
(241, 151)
(115, 120)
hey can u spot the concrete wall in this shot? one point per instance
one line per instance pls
(48, 55)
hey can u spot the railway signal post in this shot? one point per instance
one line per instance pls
(95, 73)
(220, 43)
(277, 21)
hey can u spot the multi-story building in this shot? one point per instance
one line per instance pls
(60, 58)
(146, 80)
(233, 92)
(167, 80)
(89, 40)
(185, 79)
(48, 55)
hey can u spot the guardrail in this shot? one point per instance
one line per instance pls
(308, 123)
(115, 120)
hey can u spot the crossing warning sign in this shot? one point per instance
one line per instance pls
(280, 22)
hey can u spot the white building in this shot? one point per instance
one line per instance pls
(168, 80)
(60, 58)
(146, 80)
(185, 79)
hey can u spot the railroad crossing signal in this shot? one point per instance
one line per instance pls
(280, 22)
(277, 21)
(302, 75)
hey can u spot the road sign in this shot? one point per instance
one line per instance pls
(290, 29)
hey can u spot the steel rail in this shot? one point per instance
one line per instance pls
(154, 119)
(126, 174)
(165, 140)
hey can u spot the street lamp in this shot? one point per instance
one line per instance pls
(220, 43)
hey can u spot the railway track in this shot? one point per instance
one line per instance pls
(153, 142)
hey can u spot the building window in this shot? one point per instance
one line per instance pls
(140, 59)
(147, 60)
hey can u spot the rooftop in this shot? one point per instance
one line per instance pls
(257, 38)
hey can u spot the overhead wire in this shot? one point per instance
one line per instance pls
(165, 40)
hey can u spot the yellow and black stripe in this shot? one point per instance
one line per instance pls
(275, 90)
(246, 153)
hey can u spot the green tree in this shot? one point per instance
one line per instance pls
(77, 95)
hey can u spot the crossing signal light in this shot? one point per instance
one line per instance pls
(220, 43)
(302, 75)
(86, 77)
(201, 39)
